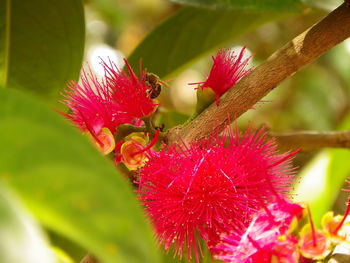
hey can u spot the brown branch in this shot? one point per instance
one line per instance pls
(311, 141)
(89, 259)
(299, 52)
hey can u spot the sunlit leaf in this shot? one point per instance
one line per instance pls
(323, 4)
(68, 185)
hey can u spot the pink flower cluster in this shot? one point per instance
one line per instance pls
(99, 107)
(228, 193)
(280, 233)
(267, 239)
(211, 187)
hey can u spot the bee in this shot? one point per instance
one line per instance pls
(155, 84)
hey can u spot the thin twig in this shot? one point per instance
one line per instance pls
(299, 52)
(311, 141)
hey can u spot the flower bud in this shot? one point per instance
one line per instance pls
(315, 244)
(132, 154)
(104, 141)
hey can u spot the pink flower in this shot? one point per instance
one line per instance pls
(92, 105)
(267, 239)
(98, 107)
(211, 187)
(131, 93)
(226, 71)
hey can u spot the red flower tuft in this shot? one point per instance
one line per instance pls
(132, 93)
(267, 239)
(226, 71)
(211, 187)
(92, 105)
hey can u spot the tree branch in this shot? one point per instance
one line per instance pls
(299, 52)
(311, 141)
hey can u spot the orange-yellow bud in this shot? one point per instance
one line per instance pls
(131, 153)
(314, 245)
(104, 141)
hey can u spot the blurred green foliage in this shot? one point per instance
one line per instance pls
(41, 44)
(69, 186)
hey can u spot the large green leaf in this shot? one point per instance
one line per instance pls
(190, 33)
(68, 185)
(246, 5)
(21, 240)
(41, 43)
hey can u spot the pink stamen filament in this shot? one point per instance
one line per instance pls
(344, 218)
(94, 135)
(285, 158)
(313, 230)
(153, 142)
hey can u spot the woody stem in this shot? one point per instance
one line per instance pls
(302, 50)
(312, 140)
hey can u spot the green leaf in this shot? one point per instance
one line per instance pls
(21, 239)
(323, 4)
(61, 256)
(191, 33)
(65, 245)
(245, 5)
(325, 176)
(41, 44)
(68, 185)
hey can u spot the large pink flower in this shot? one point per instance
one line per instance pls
(131, 93)
(92, 105)
(266, 240)
(98, 107)
(227, 70)
(211, 187)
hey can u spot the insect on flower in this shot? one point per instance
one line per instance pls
(129, 91)
(154, 82)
